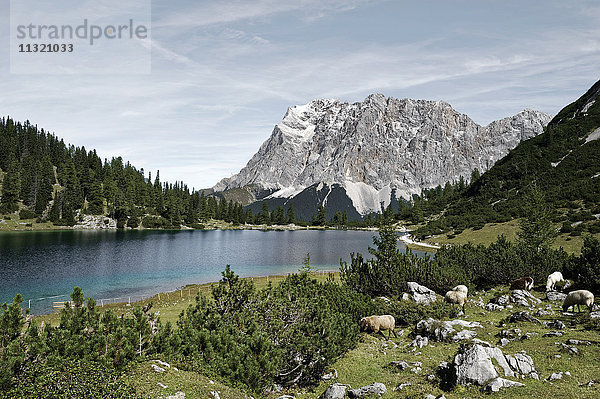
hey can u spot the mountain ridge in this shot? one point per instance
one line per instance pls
(378, 150)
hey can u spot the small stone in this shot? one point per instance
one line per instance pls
(553, 334)
(556, 325)
(335, 391)
(401, 386)
(376, 388)
(555, 376)
(158, 369)
(497, 383)
(400, 365)
(504, 341)
(178, 395)
(160, 384)
(577, 342)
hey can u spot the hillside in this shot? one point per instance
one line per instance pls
(359, 158)
(563, 162)
(46, 180)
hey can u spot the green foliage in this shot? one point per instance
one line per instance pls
(74, 379)
(537, 230)
(27, 214)
(586, 270)
(287, 334)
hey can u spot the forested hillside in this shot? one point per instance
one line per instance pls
(44, 178)
(563, 163)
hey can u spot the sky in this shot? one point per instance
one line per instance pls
(223, 73)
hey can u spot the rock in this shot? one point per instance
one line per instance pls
(178, 395)
(501, 300)
(164, 364)
(577, 342)
(588, 384)
(555, 296)
(498, 383)
(474, 365)
(401, 365)
(523, 298)
(376, 388)
(572, 350)
(419, 342)
(492, 307)
(420, 293)
(553, 334)
(541, 312)
(317, 142)
(462, 335)
(594, 315)
(523, 316)
(521, 363)
(556, 324)
(555, 376)
(158, 369)
(163, 386)
(335, 391)
(443, 331)
(287, 397)
(481, 342)
(330, 376)
(401, 386)
(215, 394)
(504, 342)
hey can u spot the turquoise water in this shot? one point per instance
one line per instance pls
(110, 264)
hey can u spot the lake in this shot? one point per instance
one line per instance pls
(44, 266)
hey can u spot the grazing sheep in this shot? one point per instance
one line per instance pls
(456, 297)
(461, 288)
(552, 280)
(378, 323)
(579, 297)
(523, 283)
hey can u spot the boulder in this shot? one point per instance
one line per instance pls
(498, 383)
(555, 296)
(335, 391)
(178, 395)
(522, 364)
(419, 342)
(523, 316)
(477, 364)
(577, 342)
(523, 298)
(556, 325)
(501, 300)
(474, 365)
(419, 293)
(377, 388)
(443, 331)
(542, 312)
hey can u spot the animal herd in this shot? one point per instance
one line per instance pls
(458, 296)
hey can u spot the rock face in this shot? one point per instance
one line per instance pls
(377, 149)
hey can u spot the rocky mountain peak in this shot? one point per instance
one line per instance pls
(378, 148)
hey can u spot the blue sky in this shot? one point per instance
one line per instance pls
(224, 72)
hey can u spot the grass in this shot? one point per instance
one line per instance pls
(369, 361)
(490, 232)
(195, 386)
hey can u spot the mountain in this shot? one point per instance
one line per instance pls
(563, 163)
(371, 153)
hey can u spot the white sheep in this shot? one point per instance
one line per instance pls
(377, 324)
(461, 288)
(553, 279)
(579, 297)
(456, 297)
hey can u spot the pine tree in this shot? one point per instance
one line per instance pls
(11, 187)
(321, 217)
(291, 215)
(537, 230)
